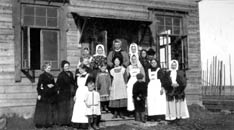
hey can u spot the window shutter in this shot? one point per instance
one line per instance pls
(25, 49)
(49, 48)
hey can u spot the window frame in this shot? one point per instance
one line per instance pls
(41, 40)
(16, 16)
(183, 35)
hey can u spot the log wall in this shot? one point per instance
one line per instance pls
(20, 97)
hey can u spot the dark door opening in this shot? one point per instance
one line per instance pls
(104, 31)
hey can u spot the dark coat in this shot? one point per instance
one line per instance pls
(177, 92)
(67, 89)
(139, 91)
(66, 85)
(45, 106)
(146, 65)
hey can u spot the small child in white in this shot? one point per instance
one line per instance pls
(92, 101)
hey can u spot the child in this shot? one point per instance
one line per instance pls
(103, 84)
(118, 90)
(92, 101)
(139, 97)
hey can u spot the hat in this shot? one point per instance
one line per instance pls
(139, 76)
(151, 51)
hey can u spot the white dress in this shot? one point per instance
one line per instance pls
(80, 108)
(133, 72)
(156, 102)
(93, 100)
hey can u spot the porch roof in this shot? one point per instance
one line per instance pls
(110, 14)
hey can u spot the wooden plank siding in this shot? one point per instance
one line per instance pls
(20, 97)
(194, 55)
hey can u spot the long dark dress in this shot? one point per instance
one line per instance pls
(46, 106)
(67, 88)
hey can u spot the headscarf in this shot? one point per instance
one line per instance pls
(173, 71)
(136, 54)
(103, 54)
(130, 50)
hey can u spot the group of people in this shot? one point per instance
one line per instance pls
(114, 83)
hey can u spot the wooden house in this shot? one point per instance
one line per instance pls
(33, 32)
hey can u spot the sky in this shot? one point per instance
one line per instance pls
(217, 33)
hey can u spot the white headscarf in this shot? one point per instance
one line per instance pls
(130, 50)
(103, 54)
(136, 54)
(173, 71)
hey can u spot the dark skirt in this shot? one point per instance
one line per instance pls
(64, 112)
(120, 103)
(45, 114)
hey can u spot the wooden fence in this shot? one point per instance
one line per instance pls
(216, 78)
(217, 87)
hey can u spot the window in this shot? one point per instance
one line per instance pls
(172, 41)
(40, 37)
(40, 16)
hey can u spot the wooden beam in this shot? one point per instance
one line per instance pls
(63, 36)
(17, 37)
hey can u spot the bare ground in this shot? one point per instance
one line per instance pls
(200, 119)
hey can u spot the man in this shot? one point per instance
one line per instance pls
(117, 51)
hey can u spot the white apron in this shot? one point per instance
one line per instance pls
(156, 102)
(133, 72)
(80, 108)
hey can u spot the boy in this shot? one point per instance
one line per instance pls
(92, 101)
(139, 97)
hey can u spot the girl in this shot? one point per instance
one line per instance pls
(79, 117)
(118, 91)
(132, 70)
(103, 84)
(47, 92)
(66, 91)
(156, 95)
(98, 59)
(92, 101)
(174, 86)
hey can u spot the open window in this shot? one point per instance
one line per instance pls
(40, 38)
(172, 41)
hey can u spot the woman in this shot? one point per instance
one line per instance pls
(118, 91)
(156, 95)
(79, 116)
(145, 63)
(133, 50)
(174, 83)
(85, 58)
(132, 70)
(66, 91)
(98, 59)
(47, 91)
